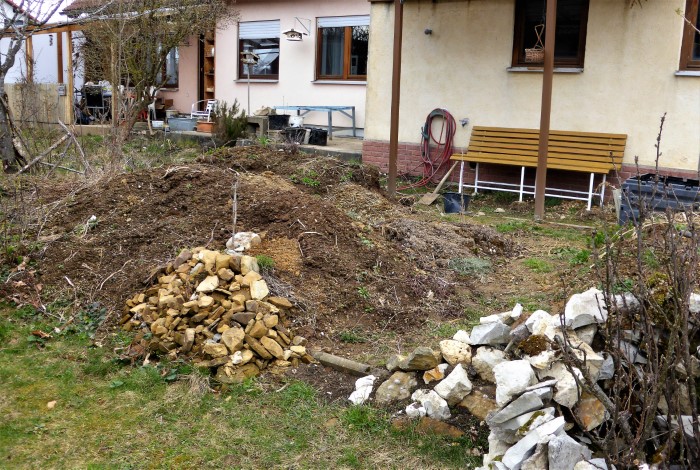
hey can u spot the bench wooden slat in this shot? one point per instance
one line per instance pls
(530, 162)
(533, 139)
(551, 132)
(535, 144)
(519, 149)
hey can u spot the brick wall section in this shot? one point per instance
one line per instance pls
(409, 162)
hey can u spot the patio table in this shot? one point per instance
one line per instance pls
(303, 110)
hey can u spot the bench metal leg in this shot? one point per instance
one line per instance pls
(354, 129)
(330, 124)
(590, 192)
(461, 177)
(602, 191)
(476, 180)
(522, 183)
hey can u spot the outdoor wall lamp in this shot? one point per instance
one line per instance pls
(293, 35)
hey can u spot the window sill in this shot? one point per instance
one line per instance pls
(339, 82)
(257, 80)
(168, 89)
(539, 69)
(687, 73)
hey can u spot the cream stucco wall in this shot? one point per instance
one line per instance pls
(296, 84)
(628, 81)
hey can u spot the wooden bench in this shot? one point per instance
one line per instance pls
(584, 152)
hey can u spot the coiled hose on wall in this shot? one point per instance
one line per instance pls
(434, 158)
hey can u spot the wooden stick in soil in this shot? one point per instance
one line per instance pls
(60, 159)
(44, 154)
(235, 205)
(83, 158)
(54, 166)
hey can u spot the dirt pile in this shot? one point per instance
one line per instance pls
(215, 309)
(348, 257)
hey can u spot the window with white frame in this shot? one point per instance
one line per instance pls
(263, 39)
(342, 47)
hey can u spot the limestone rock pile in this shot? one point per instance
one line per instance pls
(509, 371)
(216, 309)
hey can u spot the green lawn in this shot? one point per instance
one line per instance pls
(112, 415)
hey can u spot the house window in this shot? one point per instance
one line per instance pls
(171, 69)
(263, 39)
(690, 49)
(570, 40)
(343, 44)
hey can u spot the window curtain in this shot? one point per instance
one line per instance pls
(332, 51)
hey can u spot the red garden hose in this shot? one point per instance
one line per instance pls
(437, 157)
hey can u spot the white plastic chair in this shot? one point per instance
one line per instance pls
(208, 109)
(152, 91)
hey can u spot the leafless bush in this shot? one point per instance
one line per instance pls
(652, 338)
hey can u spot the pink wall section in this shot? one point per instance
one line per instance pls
(186, 93)
(297, 63)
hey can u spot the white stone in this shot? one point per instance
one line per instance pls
(543, 360)
(495, 318)
(592, 464)
(243, 241)
(629, 301)
(538, 460)
(529, 401)
(525, 423)
(537, 322)
(455, 352)
(490, 333)
(515, 456)
(497, 448)
(567, 392)
(694, 303)
(585, 308)
(485, 360)
(415, 410)
(632, 353)
(455, 386)
(607, 368)
(587, 333)
(363, 389)
(259, 289)
(208, 284)
(462, 336)
(435, 406)
(564, 453)
(516, 312)
(512, 378)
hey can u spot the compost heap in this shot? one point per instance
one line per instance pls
(215, 308)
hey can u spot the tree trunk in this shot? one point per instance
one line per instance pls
(7, 148)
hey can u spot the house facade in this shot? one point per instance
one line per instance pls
(327, 67)
(618, 69)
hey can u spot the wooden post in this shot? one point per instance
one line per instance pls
(59, 56)
(71, 94)
(29, 59)
(546, 110)
(395, 98)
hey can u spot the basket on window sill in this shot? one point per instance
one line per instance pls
(534, 55)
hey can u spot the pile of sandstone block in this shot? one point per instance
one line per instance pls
(215, 309)
(509, 372)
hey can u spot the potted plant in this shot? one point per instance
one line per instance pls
(206, 126)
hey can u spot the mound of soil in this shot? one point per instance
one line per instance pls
(348, 256)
